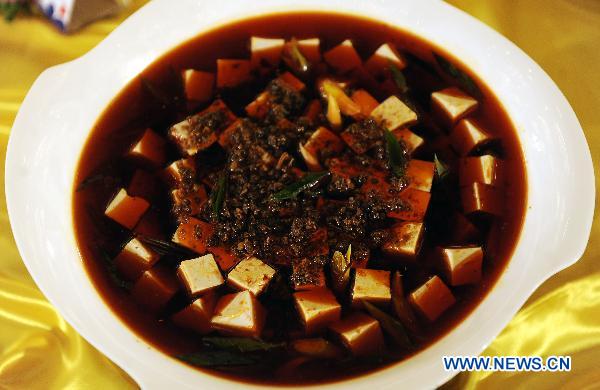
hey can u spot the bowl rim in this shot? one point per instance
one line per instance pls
(574, 203)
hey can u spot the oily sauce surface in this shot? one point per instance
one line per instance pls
(127, 115)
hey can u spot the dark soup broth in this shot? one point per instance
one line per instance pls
(299, 198)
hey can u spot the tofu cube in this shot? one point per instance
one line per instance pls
(232, 73)
(224, 257)
(197, 315)
(416, 203)
(200, 275)
(155, 288)
(392, 114)
(462, 265)
(432, 298)
(126, 210)
(193, 234)
(180, 171)
(420, 174)
(292, 81)
(311, 49)
(198, 132)
(251, 274)
(412, 141)
(452, 104)
(343, 57)
(188, 202)
(317, 308)
(463, 230)
(365, 101)
(468, 136)
(144, 185)
(386, 54)
(372, 286)
(481, 199)
(134, 259)
(259, 107)
(149, 149)
(225, 136)
(483, 169)
(323, 143)
(198, 86)
(307, 274)
(265, 52)
(405, 241)
(360, 333)
(239, 314)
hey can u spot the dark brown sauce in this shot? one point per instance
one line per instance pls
(119, 125)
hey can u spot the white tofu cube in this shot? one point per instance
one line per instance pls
(180, 171)
(251, 274)
(420, 174)
(149, 149)
(265, 52)
(432, 298)
(343, 58)
(412, 141)
(126, 210)
(405, 241)
(468, 136)
(155, 288)
(386, 54)
(317, 308)
(483, 169)
(452, 104)
(392, 114)
(200, 274)
(134, 259)
(199, 86)
(360, 333)
(239, 314)
(462, 265)
(481, 198)
(197, 315)
(371, 285)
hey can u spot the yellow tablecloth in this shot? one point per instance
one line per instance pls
(39, 350)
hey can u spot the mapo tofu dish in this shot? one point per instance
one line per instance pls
(286, 200)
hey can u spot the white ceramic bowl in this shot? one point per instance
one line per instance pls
(65, 102)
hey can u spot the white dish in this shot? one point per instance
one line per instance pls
(65, 102)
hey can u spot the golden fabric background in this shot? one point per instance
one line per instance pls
(38, 350)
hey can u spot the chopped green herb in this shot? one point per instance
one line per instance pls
(340, 272)
(307, 181)
(241, 344)
(390, 325)
(219, 359)
(397, 155)
(441, 169)
(295, 58)
(217, 196)
(463, 79)
(166, 248)
(399, 78)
